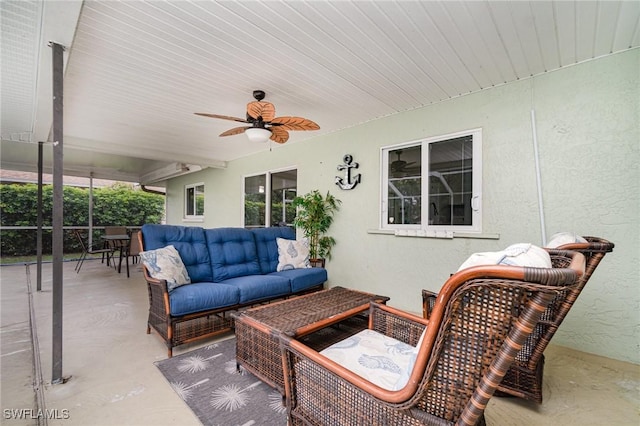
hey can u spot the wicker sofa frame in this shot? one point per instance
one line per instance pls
(524, 378)
(479, 322)
(179, 330)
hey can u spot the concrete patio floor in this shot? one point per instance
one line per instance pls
(109, 358)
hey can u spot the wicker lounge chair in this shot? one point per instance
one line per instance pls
(524, 378)
(479, 323)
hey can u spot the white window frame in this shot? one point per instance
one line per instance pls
(193, 217)
(267, 189)
(424, 227)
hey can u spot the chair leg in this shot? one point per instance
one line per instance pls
(113, 259)
(124, 253)
(80, 262)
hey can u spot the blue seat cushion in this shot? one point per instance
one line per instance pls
(204, 296)
(268, 248)
(190, 243)
(257, 287)
(303, 279)
(232, 252)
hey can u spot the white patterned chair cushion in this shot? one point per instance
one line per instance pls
(521, 254)
(166, 264)
(380, 359)
(293, 254)
(562, 238)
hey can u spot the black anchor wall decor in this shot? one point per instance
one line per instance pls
(349, 181)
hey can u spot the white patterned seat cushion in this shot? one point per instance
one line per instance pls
(380, 359)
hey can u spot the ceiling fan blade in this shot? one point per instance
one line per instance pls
(266, 110)
(279, 134)
(235, 131)
(224, 117)
(295, 123)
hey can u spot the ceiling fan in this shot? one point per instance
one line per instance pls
(399, 166)
(264, 124)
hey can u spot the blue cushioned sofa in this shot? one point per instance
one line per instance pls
(230, 269)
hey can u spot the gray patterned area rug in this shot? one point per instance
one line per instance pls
(220, 395)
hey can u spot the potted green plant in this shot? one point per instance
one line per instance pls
(314, 217)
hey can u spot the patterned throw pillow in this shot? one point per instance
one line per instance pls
(521, 254)
(165, 264)
(293, 254)
(562, 238)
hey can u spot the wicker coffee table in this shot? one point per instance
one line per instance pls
(257, 344)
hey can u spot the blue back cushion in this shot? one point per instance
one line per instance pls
(190, 243)
(267, 246)
(232, 252)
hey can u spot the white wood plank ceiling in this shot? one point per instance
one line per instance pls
(138, 70)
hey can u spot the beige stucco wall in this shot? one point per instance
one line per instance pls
(589, 138)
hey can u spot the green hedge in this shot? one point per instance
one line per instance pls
(254, 213)
(119, 204)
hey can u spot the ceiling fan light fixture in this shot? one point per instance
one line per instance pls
(258, 134)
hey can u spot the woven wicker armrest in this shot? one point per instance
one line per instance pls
(154, 281)
(395, 323)
(593, 245)
(158, 295)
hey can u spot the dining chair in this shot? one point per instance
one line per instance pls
(90, 250)
(132, 250)
(447, 367)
